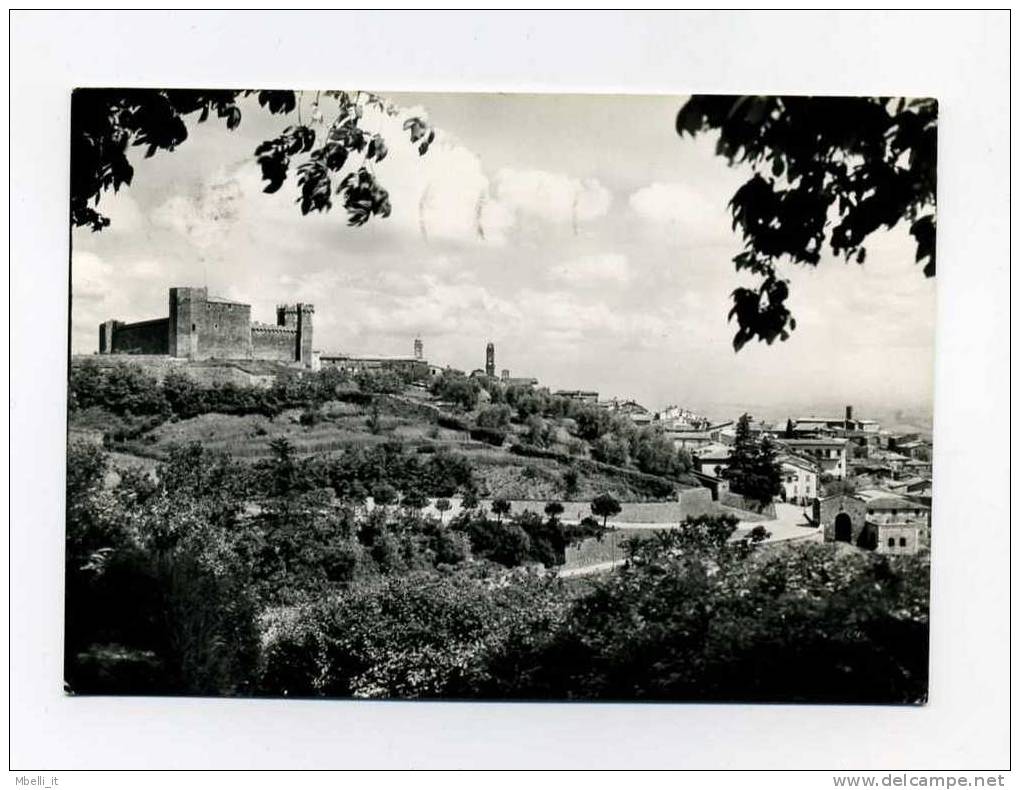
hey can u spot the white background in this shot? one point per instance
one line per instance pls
(961, 58)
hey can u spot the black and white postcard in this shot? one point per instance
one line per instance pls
(479, 396)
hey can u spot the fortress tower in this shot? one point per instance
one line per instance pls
(299, 318)
(490, 360)
(419, 352)
(187, 318)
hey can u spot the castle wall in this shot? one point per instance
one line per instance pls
(143, 337)
(277, 343)
(225, 331)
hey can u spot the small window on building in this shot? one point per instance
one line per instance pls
(193, 327)
(903, 541)
(892, 542)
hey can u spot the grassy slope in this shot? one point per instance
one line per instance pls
(408, 420)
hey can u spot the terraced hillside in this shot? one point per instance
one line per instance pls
(245, 422)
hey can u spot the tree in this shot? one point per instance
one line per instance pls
(414, 500)
(457, 389)
(654, 453)
(826, 170)
(442, 505)
(470, 499)
(538, 433)
(284, 469)
(719, 621)
(571, 480)
(753, 472)
(592, 422)
(106, 122)
(604, 506)
(554, 510)
(356, 493)
(494, 417)
(500, 507)
(768, 472)
(384, 494)
(610, 449)
(159, 596)
(416, 636)
(789, 433)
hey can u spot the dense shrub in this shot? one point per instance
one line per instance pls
(381, 381)
(524, 539)
(167, 581)
(453, 423)
(493, 436)
(158, 598)
(418, 636)
(457, 389)
(494, 417)
(125, 389)
(310, 417)
(121, 389)
(720, 621)
(436, 474)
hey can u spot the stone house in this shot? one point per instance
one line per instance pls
(829, 453)
(799, 478)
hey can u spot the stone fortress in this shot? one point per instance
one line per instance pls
(201, 327)
(217, 332)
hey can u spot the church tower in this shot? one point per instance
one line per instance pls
(490, 360)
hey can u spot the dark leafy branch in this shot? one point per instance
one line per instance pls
(106, 123)
(827, 171)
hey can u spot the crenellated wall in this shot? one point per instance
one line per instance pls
(277, 343)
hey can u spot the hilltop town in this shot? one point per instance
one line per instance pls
(843, 478)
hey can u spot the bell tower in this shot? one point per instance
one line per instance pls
(490, 360)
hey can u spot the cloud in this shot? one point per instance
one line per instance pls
(92, 298)
(564, 318)
(90, 277)
(553, 197)
(696, 216)
(445, 196)
(207, 217)
(436, 308)
(593, 269)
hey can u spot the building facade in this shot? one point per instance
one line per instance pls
(830, 454)
(800, 479)
(877, 520)
(712, 459)
(584, 396)
(843, 519)
(411, 368)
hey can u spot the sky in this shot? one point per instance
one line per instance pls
(579, 234)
